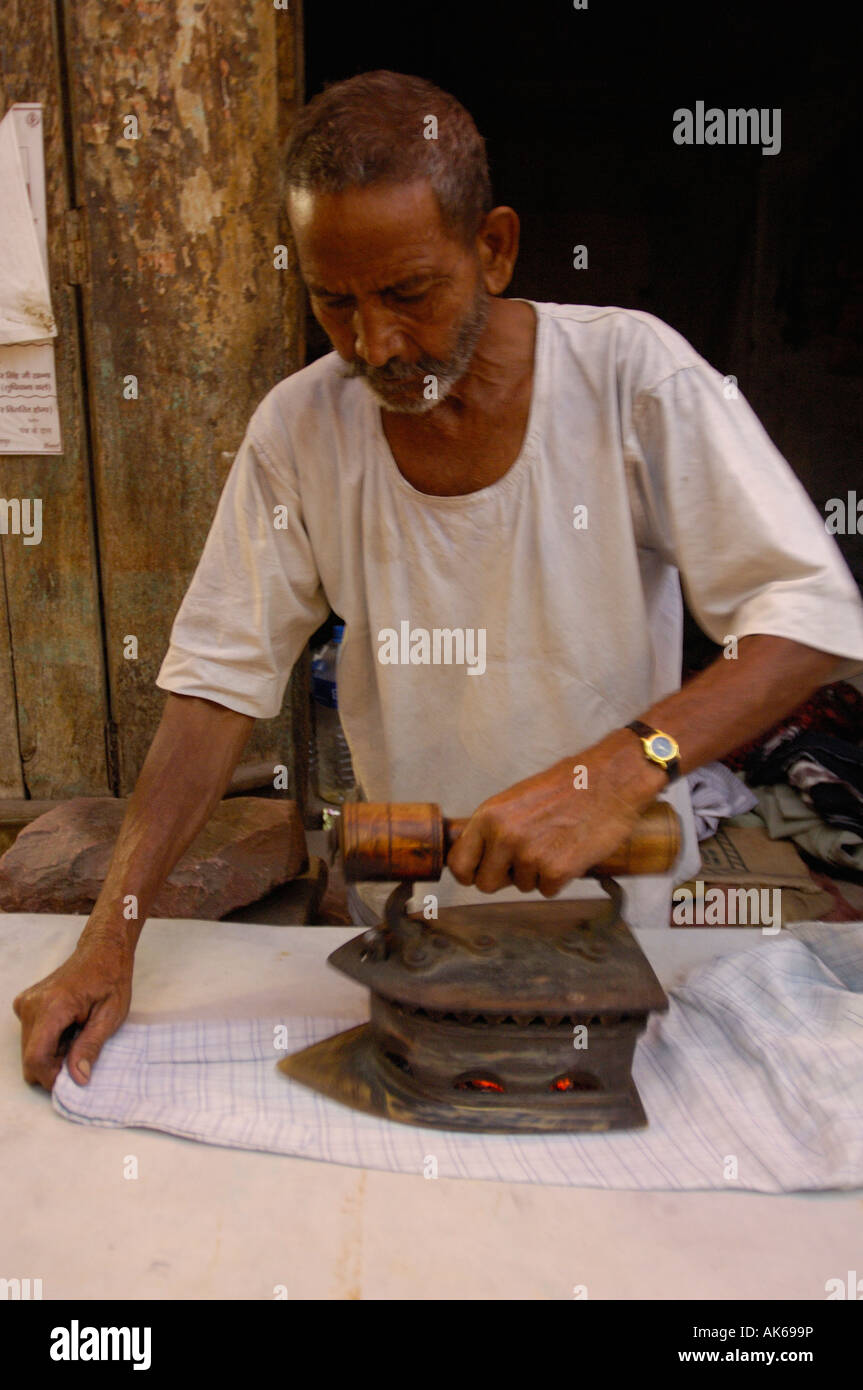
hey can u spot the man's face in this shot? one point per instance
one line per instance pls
(398, 297)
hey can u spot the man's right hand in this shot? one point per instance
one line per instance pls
(92, 989)
(196, 748)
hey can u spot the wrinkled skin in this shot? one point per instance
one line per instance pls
(541, 832)
(92, 989)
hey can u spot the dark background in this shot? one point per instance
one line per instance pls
(753, 258)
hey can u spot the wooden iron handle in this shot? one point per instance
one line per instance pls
(411, 840)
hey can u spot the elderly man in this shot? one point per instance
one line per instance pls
(500, 498)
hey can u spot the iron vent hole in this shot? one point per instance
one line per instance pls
(479, 1081)
(576, 1081)
(399, 1061)
(491, 1020)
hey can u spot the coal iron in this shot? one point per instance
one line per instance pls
(499, 1017)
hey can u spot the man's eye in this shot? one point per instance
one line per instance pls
(341, 304)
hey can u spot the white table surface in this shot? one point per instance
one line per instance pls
(205, 1222)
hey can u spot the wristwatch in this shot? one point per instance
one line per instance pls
(658, 747)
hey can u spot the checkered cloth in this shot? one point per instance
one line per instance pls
(753, 1080)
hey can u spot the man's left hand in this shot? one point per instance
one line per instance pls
(544, 831)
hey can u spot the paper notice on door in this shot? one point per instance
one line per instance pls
(29, 418)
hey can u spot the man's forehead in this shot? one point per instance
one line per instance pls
(415, 201)
(390, 230)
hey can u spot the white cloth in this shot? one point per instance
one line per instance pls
(716, 793)
(583, 626)
(752, 1080)
(25, 294)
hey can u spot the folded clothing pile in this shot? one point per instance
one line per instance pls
(826, 771)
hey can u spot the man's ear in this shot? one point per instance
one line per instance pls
(497, 247)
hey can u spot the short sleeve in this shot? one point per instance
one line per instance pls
(725, 507)
(255, 597)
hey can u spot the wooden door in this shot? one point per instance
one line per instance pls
(164, 121)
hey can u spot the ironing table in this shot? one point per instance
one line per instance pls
(202, 1222)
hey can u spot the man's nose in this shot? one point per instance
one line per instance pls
(376, 337)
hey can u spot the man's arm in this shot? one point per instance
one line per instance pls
(541, 832)
(188, 766)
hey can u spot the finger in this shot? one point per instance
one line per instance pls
(31, 1000)
(495, 868)
(43, 1074)
(40, 1068)
(550, 887)
(89, 1043)
(24, 1004)
(466, 853)
(525, 877)
(41, 1056)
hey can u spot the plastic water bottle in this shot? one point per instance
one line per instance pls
(333, 772)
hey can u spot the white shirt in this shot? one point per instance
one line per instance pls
(583, 624)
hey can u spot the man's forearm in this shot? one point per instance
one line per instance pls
(189, 765)
(549, 828)
(724, 706)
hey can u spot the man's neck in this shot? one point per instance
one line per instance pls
(473, 437)
(501, 365)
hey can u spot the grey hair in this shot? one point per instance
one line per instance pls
(371, 129)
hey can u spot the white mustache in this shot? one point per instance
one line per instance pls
(399, 371)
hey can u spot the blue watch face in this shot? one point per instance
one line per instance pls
(662, 747)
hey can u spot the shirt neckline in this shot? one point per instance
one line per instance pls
(527, 451)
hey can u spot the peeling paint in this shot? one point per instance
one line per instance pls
(200, 203)
(183, 294)
(190, 18)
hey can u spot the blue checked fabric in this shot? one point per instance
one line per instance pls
(753, 1080)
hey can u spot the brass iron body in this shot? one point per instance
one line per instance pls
(500, 1018)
